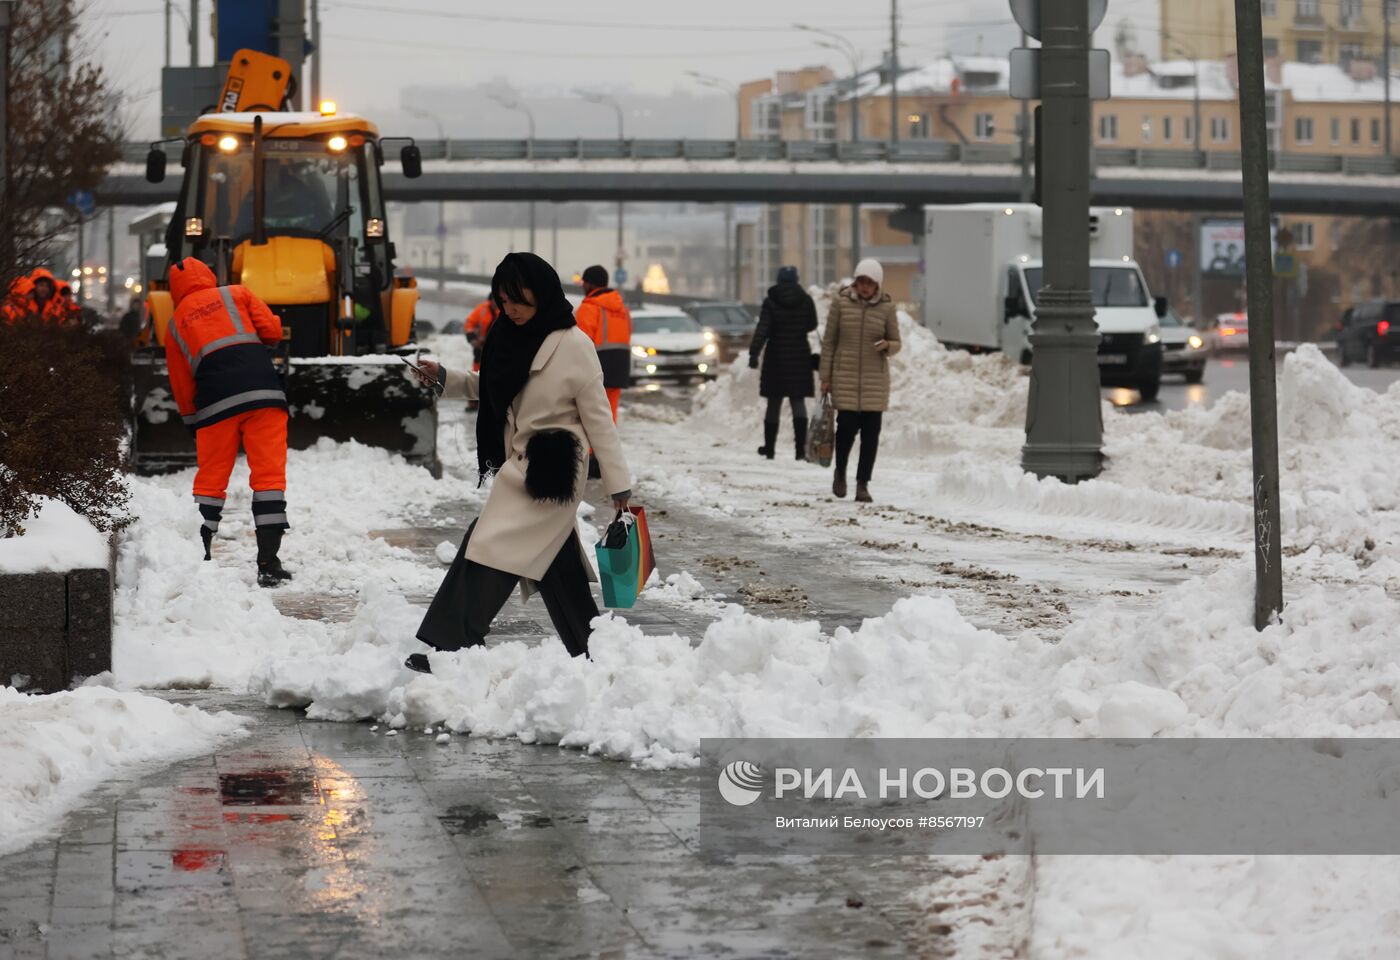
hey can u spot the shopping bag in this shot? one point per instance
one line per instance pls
(625, 559)
(821, 438)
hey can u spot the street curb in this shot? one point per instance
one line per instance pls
(56, 627)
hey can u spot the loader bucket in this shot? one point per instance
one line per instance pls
(374, 400)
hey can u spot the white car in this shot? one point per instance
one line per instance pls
(1184, 349)
(668, 344)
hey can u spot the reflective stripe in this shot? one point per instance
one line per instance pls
(228, 341)
(210, 501)
(238, 398)
(264, 519)
(604, 314)
(615, 346)
(174, 330)
(190, 419)
(232, 309)
(211, 525)
(269, 495)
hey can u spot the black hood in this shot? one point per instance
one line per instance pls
(787, 294)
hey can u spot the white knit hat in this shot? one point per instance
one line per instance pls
(871, 268)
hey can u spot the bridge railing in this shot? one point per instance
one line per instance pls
(859, 152)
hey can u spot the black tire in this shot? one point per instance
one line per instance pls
(1148, 389)
(1343, 354)
(1373, 355)
(1195, 376)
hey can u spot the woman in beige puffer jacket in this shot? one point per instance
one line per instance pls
(862, 333)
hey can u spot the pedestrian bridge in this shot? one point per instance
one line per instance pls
(806, 171)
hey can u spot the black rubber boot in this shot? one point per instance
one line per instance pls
(418, 663)
(270, 570)
(799, 429)
(207, 536)
(770, 437)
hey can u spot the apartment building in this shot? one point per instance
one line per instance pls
(1306, 31)
(1319, 108)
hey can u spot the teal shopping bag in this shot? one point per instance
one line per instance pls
(619, 563)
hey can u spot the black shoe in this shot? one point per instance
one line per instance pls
(799, 429)
(418, 663)
(770, 437)
(207, 537)
(270, 569)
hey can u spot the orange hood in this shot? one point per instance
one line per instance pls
(190, 276)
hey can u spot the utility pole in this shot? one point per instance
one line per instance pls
(194, 33)
(111, 259)
(1026, 185)
(5, 9)
(1263, 400)
(894, 71)
(1385, 59)
(168, 4)
(1064, 424)
(315, 54)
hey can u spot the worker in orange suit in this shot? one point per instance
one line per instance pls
(66, 309)
(228, 392)
(604, 317)
(477, 325)
(46, 302)
(20, 303)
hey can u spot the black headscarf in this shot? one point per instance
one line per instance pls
(510, 348)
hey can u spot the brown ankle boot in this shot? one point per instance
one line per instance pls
(838, 487)
(862, 493)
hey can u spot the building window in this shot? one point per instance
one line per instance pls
(1336, 131)
(1303, 235)
(1350, 11)
(920, 126)
(1392, 9)
(821, 243)
(1146, 129)
(1303, 130)
(766, 119)
(1269, 8)
(1356, 130)
(1219, 129)
(1308, 9)
(984, 126)
(1189, 130)
(1348, 52)
(1270, 48)
(819, 114)
(1309, 51)
(1108, 128)
(1375, 129)
(1166, 129)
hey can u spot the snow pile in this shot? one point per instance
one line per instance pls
(54, 748)
(180, 622)
(1191, 666)
(57, 539)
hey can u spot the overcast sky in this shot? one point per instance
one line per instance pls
(375, 48)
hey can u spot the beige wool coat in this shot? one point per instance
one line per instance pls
(515, 532)
(858, 374)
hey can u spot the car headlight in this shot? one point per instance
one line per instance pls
(709, 350)
(1154, 334)
(1195, 342)
(639, 352)
(709, 336)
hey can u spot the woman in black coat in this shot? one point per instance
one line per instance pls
(787, 316)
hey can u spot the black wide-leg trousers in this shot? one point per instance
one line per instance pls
(472, 595)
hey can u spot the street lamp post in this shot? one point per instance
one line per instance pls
(605, 100)
(514, 103)
(848, 49)
(442, 210)
(731, 240)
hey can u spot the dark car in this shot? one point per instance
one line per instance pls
(1371, 332)
(731, 324)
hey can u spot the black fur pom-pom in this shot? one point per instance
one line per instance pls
(552, 458)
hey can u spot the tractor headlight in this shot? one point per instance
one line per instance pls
(639, 352)
(228, 143)
(194, 227)
(337, 143)
(374, 228)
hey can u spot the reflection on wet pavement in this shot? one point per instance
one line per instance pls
(319, 840)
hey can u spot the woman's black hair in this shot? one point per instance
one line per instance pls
(510, 281)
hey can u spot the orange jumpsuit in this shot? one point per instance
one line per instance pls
(604, 317)
(228, 390)
(477, 325)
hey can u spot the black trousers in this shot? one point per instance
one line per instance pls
(472, 594)
(775, 409)
(867, 424)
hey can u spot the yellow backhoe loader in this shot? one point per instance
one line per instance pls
(289, 205)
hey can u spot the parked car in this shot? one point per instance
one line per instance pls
(1184, 349)
(668, 344)
(1371, 332)
(1231, 331)
(731, 323)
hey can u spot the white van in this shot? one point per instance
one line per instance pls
(983, 272)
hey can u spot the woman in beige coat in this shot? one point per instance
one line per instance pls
(862, 333)
(542, 406)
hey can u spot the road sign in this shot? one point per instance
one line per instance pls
(1027, 15)
(83, 201)
(1173, 259)
(1025, 74)
(1285, 264)
(619, 276)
